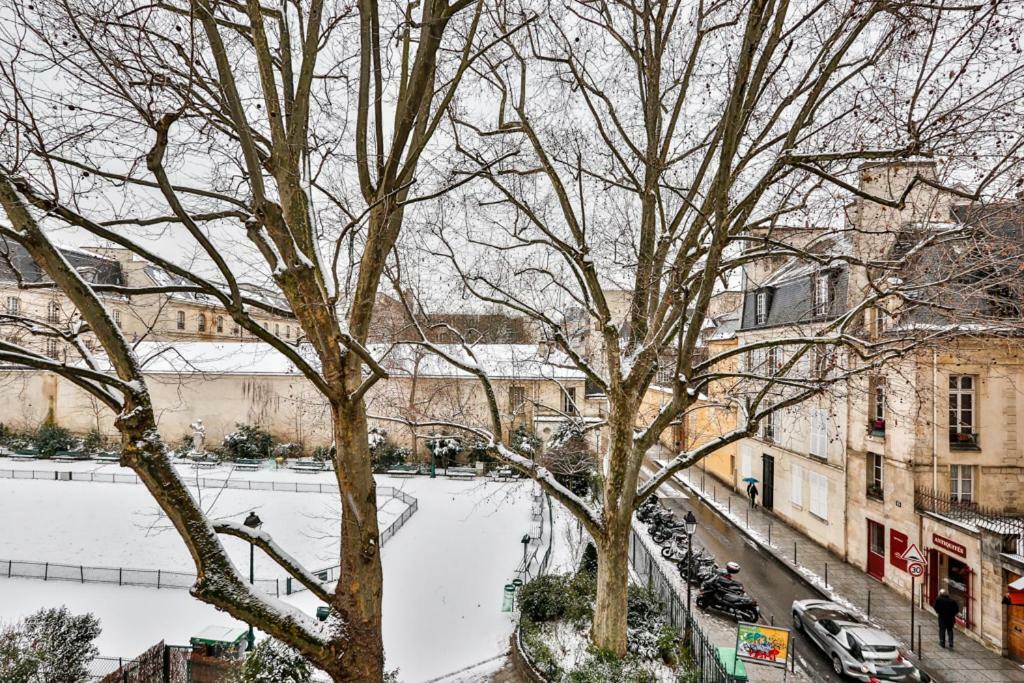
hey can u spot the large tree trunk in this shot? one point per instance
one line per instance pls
(357, 598)
(609, 627)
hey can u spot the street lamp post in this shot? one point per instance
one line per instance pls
(253, 522)
(691, 526)
(525, 541)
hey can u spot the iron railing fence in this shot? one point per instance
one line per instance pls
(702, 651)
(928, 500)
(159, 578)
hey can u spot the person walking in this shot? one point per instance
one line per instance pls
(752, 494)
(947, 608)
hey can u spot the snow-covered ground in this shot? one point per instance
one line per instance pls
(444, 571)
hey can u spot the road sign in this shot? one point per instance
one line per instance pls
(913, 556)
(915, 568)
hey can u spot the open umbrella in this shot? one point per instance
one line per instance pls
(750, 480)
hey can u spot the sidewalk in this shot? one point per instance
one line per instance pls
(970, 662)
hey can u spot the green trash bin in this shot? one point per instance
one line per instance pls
(510, 598)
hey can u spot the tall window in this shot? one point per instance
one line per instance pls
(768, 427)
(516, 399)
(876, 466)
(761, 308)
(819, 432)
(181, 320)
(53, 312)
(822, 295)
(277, 330)
(287, 331)
(117, 318)
(13, 305)
(52, 349)
(772, 360)
(876, 406)
(201, 323)
(236, 330)
(569, 401)
(796, 486)
(962, 409)
(220, 324)
(961, 483)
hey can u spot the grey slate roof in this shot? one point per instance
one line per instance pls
(790, 301)
(95, 269)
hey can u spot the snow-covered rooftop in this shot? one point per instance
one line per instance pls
(520, 361)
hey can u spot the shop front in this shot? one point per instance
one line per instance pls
(953, 561)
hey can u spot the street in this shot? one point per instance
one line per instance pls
(774, 587)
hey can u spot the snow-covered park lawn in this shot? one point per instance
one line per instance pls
(444, 570)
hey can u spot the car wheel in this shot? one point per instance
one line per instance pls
(837, 665)
(798, 624)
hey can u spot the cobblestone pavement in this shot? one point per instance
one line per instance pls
(970, 662)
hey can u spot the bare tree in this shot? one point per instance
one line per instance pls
(281, 141)
(657, 148)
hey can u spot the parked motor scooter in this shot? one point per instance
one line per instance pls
(723, 594)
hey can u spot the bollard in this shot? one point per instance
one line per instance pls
(771, 620)
(919, 653)
(769, 533)
(826, 575)
(730, 505)
(794, 553)
(748, 518)
(869, 602)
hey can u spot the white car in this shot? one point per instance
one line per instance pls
(856, 649)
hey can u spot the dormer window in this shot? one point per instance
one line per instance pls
(761, 308)
(822, 295)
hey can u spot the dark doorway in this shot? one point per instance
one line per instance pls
(767, 481)
(876, 550)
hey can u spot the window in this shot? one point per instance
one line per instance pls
(53, 312)
(961, 483)
(878, 322)
(821, 361)
(181, 320)
(277, 330)
(220, 324)
(796, 486)
(117, 318)
(876, 467)
(569, 401)
(13, 305)
(876, 406)
(819, 495)
(819, 433)
(761, 308)
(201, 323)
(516, 399)
(768, 427)
(822, 295)
(962, 432)
(772, 360)
(287, 331)
(52, 349)
(236, 330)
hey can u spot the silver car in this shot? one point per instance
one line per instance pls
(857, 650)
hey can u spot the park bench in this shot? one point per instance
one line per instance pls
(248, 464)
(403, 471)
(25, 453)
(504, 474)
(460, 473)
(307, 466)
(70, 456)
(204, 463)
(107, 456)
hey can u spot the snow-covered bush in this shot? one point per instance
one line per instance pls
(248, 441)
(286, 450)
(445, 448)
(94, 441)
(49, 646)
(271, 661)
(323, 453)
(376, 437)
(51, 438)
(570, 458)
(526, 441)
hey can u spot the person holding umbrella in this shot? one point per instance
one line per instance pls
(752, 490)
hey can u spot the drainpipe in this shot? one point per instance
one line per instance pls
(935, 422)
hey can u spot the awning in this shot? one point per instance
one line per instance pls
(1017, 585)
(1015, 592)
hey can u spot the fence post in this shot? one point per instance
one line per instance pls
(769, 533)
(794, 553)
(81, 573)
(158, 579)
(119, 571)
(46, 572)
(869, 602)
(826, 575)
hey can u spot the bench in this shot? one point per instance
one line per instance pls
(106, 456)
(402, 473)
(204, 464)
(307, 466)
(70, 456)
(247, 464)
(504, 475)
(461, 475)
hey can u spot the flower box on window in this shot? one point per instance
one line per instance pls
(963, 440)
(877, 427)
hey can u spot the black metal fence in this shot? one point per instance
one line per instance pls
(927, 500)
(535, 564)
(159, 578)
(198, 482)
(702, 651)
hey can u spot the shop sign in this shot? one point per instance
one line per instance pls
(951, 546)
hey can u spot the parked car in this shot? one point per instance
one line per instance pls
(858, 650)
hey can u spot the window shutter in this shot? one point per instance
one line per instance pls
(819, 495)
(746, 462)
(819, 433)
(796, 486)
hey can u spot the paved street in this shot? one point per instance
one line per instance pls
(969, 663)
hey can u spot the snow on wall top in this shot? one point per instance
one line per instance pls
(522, 361)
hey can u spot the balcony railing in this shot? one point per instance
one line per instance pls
(927, 500)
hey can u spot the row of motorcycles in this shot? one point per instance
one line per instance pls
(718, 588)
